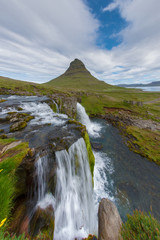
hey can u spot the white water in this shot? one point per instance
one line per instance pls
(92, 128)
(103, 164)
(41, 166)
(43, 114)
(74, 212)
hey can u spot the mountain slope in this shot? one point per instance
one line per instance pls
(79, 78)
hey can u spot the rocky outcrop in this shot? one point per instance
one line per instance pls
(43, 222)
(128, 118)
(66, 104)
(109, 221)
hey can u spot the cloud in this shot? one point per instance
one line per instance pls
(38, 39)
(112, 6)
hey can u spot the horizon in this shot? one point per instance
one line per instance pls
(115, 39)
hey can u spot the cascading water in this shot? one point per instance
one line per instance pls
(74, 211)
(102, 162)
(92, 128)
(41, 174)
(43, 114)
(57, 108)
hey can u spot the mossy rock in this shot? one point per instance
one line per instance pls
(90, 153)
(53, 107)
(42, 223)
(3, 136)
(2, 100)
(18, 126)
(19, 109)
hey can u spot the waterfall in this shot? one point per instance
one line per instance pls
(42, 196)
(92, 128)
(74, 211)
(57, 108)
(41, 175)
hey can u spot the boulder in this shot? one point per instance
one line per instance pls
(109, 221)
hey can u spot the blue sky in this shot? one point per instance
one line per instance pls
(111, 23)
(118, 40)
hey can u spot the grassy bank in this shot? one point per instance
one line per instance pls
(145, 142)
(9, 161)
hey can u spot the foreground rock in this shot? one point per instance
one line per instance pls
(109, 221)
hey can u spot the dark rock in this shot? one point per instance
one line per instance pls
(43, 222)
(96, 146)
(109, 221)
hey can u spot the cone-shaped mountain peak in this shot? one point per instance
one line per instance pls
(76, 66)
(77, 77)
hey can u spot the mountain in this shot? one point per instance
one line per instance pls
(77, 77)
(152, 84)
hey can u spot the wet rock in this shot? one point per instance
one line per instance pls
(18, 126)
(96, 146)
(109, 221)
(43, 222)
(66, 104)
(18, 223)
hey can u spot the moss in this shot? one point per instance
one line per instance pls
(2, 100)
(18, 126)
(20, 109)
(53, 107)
(29, 118)
(90, 153)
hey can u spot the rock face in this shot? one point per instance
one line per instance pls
(75, 67)
(109, 221)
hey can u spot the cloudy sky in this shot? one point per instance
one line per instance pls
(118, 40)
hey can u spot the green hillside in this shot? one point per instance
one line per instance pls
(77, 77)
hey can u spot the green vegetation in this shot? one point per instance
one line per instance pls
(140, 227)
(145, 142)
(90, 153)
(10, 160)
(7, 236)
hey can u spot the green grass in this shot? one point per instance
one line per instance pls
(10, 161)
(141, 226)
(7, 236)
(148, 143)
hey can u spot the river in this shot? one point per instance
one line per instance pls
(129, 180)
